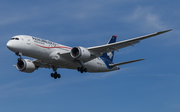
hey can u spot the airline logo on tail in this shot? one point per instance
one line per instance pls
(110, 55)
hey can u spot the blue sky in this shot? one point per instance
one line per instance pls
(146, 86)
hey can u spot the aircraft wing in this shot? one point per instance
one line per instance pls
(99, 50)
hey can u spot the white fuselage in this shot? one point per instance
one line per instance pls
(50, 53)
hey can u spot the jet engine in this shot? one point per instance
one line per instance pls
(80, 53)
(25, 65)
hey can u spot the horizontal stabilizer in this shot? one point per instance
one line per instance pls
(126, 62)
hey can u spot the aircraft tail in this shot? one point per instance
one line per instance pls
(109, 56)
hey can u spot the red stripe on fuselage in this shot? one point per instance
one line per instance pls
(53, 47)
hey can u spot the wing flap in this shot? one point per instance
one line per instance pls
(126, 62)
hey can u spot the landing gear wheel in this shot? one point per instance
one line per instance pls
(52, 75)
(82, 69)
(85, 69)
(79, 69)
(55, 77)
(55, 74)
(59, 76)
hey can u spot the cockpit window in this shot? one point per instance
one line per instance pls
(14, 38)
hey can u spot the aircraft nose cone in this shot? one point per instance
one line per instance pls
(9, 45)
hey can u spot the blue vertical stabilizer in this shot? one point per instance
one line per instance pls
(108, 57)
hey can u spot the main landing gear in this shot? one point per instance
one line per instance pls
(55, 74)
(82, 69)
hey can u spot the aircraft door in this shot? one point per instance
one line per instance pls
(28, 41)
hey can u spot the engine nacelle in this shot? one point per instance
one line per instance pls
(25, 65)
(80, 53)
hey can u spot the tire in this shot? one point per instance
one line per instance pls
(85, 69)
(82, 71)
(79, 69)
(59, 76)
(52, 75)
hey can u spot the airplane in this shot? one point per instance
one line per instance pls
(48, 54)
